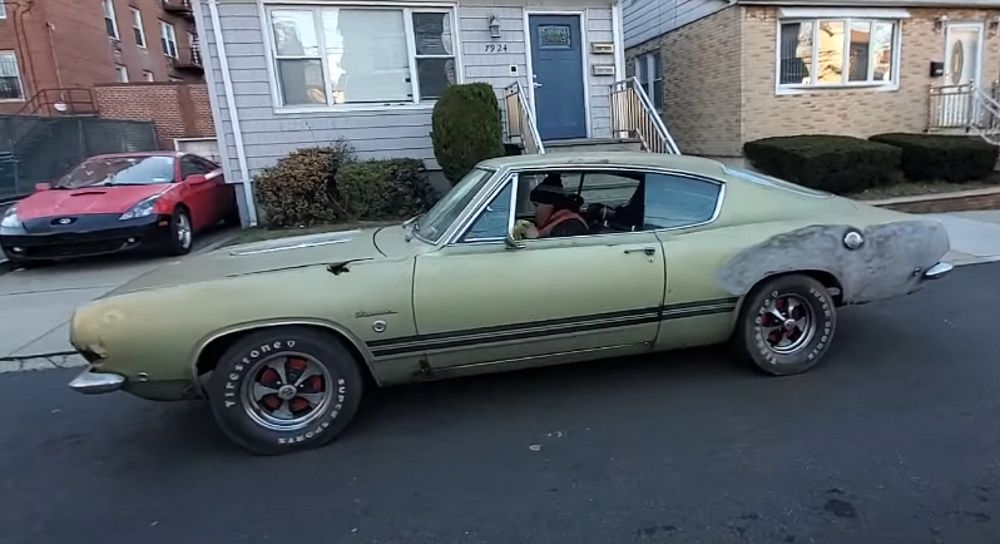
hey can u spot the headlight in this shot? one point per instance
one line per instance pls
(10, 219)
(142, 209)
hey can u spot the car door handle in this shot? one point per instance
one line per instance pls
(650, 251)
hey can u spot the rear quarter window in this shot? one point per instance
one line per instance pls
(674, 201)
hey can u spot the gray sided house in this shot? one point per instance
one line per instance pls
(289, 74)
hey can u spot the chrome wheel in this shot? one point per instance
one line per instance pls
(787, 322)
(286, 391)
(183, 230)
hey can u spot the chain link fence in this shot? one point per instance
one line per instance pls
(40, 149)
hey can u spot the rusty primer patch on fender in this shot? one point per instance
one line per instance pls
(882, 268)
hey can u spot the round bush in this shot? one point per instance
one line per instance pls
(300, 189)
(466, 128)
(380, 189)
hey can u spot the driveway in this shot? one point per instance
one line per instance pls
(36, 304)
(895, 438)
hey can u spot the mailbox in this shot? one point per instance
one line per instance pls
(937, 69)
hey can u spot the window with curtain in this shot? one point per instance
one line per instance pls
(353, 55)
(10, 77)
(837, 52)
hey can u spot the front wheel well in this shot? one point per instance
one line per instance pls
(210, 354)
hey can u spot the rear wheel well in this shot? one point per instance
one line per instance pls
(828, 280)
(209, 356)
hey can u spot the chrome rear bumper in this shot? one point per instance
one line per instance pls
(937, 271)
(94, 383)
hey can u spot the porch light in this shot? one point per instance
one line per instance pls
(994, 26)
(494, 27)
(939, 23)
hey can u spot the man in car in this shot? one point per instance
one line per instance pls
(556, 212)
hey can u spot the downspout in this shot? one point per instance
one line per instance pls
(618, 34)
(50, 28)
(234, 118)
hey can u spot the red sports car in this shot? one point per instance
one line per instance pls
(113, 203)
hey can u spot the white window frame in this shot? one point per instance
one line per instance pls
(168, 34)
(121, 73)
(20, 78)
(407, 8)
(137, 25)
(148, 76)
(108, 6)
(3, 10)
(646, 64)
(798, 88)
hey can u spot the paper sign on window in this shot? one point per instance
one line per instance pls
(554, 37)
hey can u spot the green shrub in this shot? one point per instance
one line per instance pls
(930, 157)
(379, 189)
(838, 164)
(466, 128)
(300, 189)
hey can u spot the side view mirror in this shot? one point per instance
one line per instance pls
(511, 243)
(42, 186)
(195, 179)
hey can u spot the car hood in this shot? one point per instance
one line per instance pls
(332, 249)
(85, 200)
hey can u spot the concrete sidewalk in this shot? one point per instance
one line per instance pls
(975, 236)
(36, 304)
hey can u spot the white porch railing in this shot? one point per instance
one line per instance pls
(633, 116)
(967, 107)
(520, 121)
(987, 115)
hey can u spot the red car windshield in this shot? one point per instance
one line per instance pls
(119, 171)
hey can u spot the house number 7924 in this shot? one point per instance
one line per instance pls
(496, 48)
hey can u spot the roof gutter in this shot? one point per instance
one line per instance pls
(234, 117)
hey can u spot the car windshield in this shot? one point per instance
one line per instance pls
(119, 171)
(435, 222)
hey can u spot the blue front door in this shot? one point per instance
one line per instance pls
(557, 64)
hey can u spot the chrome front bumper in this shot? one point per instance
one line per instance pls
(937, 271)
(95, 383)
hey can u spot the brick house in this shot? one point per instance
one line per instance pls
(61, 44)
(726, 72)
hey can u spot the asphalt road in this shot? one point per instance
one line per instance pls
(896, 438)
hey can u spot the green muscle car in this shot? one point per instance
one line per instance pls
(528, 261)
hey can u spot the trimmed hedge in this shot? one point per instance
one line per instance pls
(838, 164)
(927, 157)
(378, 189)
(299, 190)
(466, 128)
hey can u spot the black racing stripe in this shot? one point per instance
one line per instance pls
(504, 328)
(445, 340)
(440, 344)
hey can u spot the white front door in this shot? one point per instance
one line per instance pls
(962, 67)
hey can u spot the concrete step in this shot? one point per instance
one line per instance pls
(592, 144)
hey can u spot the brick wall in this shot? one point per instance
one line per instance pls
(177, 110)
(702, 84)
(719, 82)
(853, 112)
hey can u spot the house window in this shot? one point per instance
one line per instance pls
(348, 55)
(121, 74)
(11, 87)
(168, 40)
(140, 34)
(837, 52)
(110, 24)
(148, 76)
(649, 72)
(3, 10)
